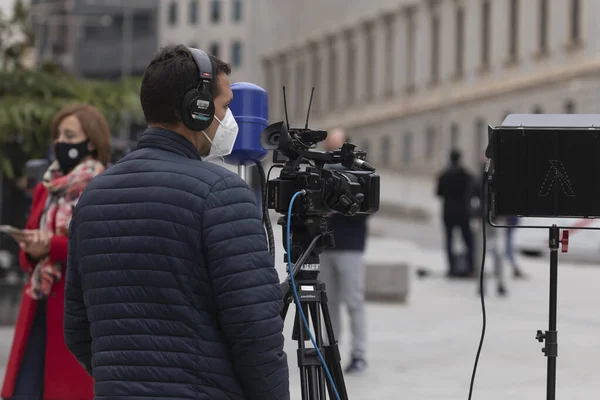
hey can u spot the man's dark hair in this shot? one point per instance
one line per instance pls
(171, 74)
(455, 156)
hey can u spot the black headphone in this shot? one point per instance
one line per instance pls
(198, 107)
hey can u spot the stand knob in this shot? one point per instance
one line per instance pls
(565, 242)
(541, 336)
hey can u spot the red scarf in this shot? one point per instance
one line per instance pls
(63, 193)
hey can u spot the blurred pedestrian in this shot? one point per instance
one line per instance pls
(343, 272)
(455, 186)
(40, 366)
(513, 222)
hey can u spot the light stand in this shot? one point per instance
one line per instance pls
(550, 337)
(242, 172)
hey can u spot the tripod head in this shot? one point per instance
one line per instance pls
(309, 236)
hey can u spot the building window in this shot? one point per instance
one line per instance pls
(454, 136)
(385, 151)
(435, 48)
(407, 149)
(485, 34)
(237, 10)
(537, 110)
(215, 49)
(460, 41)
(369, 60)
(543, 27)
(173, 13)
(513, 31)
(411, 53)
(430, 139)
(350, 70)
(236, 54)
(193, 12)
(333, 61)
(215, 11)
(570, 107)
(389, 55)
(575, 21)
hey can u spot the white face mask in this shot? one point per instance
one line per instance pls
(222, 143)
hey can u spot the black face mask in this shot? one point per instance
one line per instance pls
(69, 155)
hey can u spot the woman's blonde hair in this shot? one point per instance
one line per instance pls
(94, 126)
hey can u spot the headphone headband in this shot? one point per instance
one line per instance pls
(203, 62)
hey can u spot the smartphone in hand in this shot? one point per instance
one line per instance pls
(16, 233)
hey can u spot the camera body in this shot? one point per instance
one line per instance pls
(326, 191)
(348, 186)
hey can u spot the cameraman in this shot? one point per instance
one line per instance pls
(343, 272)
(171, 291)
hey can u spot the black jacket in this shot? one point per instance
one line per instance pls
(456, 187)
(170, 288)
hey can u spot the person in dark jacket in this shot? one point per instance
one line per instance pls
(456, 187)
(343, 272)
(171, 291)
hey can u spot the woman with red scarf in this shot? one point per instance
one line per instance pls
(40, 365)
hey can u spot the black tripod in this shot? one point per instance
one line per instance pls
(550, 337)
(309, 236)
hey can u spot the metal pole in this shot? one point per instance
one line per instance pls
(242, 172)
(126, 66)
(551, 348)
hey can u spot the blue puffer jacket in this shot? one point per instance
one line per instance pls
(170, 288)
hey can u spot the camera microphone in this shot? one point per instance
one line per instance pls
(363, 165)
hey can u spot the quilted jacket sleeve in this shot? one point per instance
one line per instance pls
(76, 324)
(246, 288)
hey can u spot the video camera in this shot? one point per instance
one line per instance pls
(349, 187)
(312, 186)
(354, 190)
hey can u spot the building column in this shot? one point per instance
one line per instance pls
(380, 79)
(329, 87)
(282, 77)
(342, 72)
(269, 81)
(297, 104)
(360, 38)
(400, 52)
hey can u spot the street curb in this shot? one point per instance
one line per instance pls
(403, 211)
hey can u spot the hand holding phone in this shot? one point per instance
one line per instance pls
(18, 234)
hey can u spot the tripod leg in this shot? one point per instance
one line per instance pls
(313, 370)
(316, 320)
(299, 331)
(332, 353)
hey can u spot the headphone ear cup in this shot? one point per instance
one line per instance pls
(198, 110)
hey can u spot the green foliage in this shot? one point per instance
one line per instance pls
(29, 100)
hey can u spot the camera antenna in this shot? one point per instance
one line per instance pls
(287, 120)
(312, 92)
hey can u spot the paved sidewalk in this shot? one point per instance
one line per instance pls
(425, 350)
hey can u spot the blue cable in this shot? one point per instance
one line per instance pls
(289, 252)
